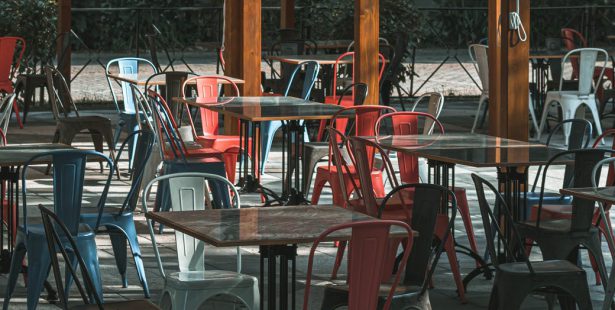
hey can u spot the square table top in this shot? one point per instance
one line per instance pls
(473, 150)
(159, 81)
(265, 108)
(18, 154)
(601, 194)
(261, 226)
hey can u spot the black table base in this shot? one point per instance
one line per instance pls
(285, 254)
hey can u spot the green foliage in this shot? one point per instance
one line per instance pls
(35, 21)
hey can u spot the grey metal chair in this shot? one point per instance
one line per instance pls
(67, 126)
(516, 279)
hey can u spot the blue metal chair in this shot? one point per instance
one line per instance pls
(128, 120)
(268, 129)
(68, 178)
(119, 221)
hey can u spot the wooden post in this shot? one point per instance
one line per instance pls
(508, 71)
(287, 14)
(64, 26)
(243, 49)
(366, 33)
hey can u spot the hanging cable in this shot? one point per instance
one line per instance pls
(516, 24)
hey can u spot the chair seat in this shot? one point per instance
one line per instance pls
(85, 231)
(551, 212)
(568, 95)
(223, 143)
(543, 267)
(199, 280)
(393, 211)
(120, 305)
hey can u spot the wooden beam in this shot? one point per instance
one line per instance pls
(63, 49)
(366, 33)
(287, 14)
(508, 71)
(243, 48)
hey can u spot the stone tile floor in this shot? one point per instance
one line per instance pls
(457, 116)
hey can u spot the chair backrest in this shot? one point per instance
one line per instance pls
(6, 108)
(367, 256)
(290, 47)
(480, 57)
(173, 87)
(359, 91)
(208, 86)
(587, 58)
(425, 199)
(492, 215)
(311, 69)
(582, 210)
(127, 66)
(168, 134)
(59, 94)
(9, 62)
(408, 123)
(572, 40)
(191, 191)
(343, 56)
(580, 136)
(381, 41)
(68, 168)
(142, 153)
(434, 108)
(65, 243)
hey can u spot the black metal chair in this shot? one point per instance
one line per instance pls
(517, 279)
(412, 292)
(64, 242)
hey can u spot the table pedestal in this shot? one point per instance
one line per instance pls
(286, 254)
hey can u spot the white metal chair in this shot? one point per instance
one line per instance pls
(572, 100)
(192, 285)
(480, 59)
(435, 103)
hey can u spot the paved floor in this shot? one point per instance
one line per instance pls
(457, 116)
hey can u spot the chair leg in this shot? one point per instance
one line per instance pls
(230, 164)
(39, 264)
(464, 211)
(478, 110)
(341, 247)
(16, 110)
(131, 235)
(543, 119)
(87, 248)
(449, 247)
(19, 253)
(118, 242)
(596, 116)
(310, 158)
(319, 184)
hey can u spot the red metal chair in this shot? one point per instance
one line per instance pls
(364, 120)
(369, 261)
(208, 87)
(348, 101)
(414, 123)
(9, 66)
(399, 208)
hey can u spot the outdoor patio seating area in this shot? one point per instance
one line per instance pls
(272, 165)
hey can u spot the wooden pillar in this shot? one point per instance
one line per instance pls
(64, 26)
(243, 48)
(287, 14)
(508, 71)
(366, 33)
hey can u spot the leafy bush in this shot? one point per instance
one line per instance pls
(35, 21)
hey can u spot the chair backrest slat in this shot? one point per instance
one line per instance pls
(480, 57)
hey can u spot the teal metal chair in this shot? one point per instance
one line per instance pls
(68, 178)
(119, 221)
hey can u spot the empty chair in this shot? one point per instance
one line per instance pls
(571, 100)
(310, 71)
(10, 61)
(341, 80)
(119, 221)
(370, 249)
(192, 285)
(68, 180)
(60, 239)
(67, 126)
(128, 66)
(517, 279)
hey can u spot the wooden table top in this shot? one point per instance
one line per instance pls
(471, 149)
(266, 108)
(601, 194)
(321, 59)
(158, 81)
(262, 226)
(18, 154)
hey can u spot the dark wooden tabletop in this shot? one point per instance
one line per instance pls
(18, 154)
(262, 226)
(601, 194)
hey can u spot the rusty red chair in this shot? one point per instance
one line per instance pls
(9, 66)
